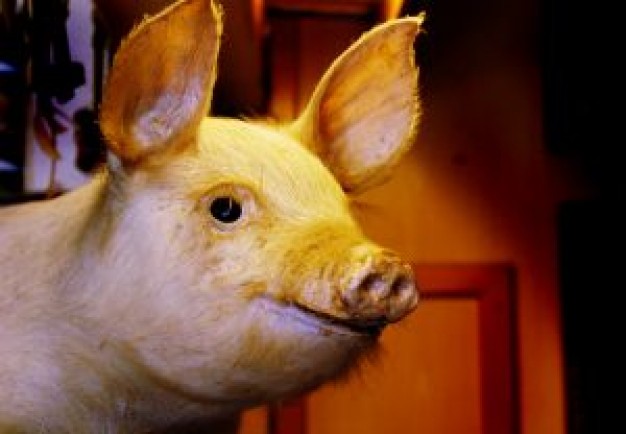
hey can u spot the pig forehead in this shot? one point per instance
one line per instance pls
(251, 150)
(264, 157)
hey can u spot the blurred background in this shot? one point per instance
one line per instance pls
(509, 204)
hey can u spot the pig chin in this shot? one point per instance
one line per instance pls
(287, 351)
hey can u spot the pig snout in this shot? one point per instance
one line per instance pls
(380, 288)
(358, 287)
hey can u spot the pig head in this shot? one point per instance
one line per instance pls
(214, 265)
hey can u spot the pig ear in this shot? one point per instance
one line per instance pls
(364, 113)
(160, 85)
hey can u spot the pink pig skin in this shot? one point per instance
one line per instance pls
(214, 264)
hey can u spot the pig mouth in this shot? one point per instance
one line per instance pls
(372, 327)
(324, 323)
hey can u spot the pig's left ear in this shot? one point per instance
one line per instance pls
(364, 113)
(161, 82)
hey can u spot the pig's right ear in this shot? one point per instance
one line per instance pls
(364, 113)
(160, 85)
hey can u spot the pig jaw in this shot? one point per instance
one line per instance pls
(319, 328)
(335, 294)
(229, 339)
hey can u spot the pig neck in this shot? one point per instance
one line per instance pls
(47, 237)
(41, 236)
(75, 369)
(39, 243)
(38, 323)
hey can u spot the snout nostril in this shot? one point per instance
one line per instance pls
(402, 285)
(374, 285)
(405, 296)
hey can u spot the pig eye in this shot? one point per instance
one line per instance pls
(231, 206)
(225, 209)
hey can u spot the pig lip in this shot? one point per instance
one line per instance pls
(370, 328)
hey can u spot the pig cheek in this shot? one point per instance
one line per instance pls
(280, 358)
(263, 353)
(241, 252)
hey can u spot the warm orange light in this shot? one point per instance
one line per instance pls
(392, 8)
(258, 16)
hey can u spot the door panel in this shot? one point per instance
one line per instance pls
(254, 421)
(411, 390)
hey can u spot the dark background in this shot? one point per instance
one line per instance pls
(583, 119)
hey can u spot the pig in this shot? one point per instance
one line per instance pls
(214, 264)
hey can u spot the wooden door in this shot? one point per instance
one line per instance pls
(448, 369)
